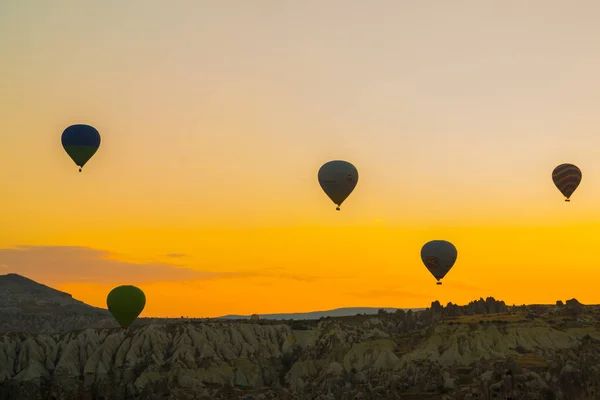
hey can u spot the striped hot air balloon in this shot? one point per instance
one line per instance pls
(567, 178)
(80, 142)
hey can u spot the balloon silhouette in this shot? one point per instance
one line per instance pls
(566, 178)
(338, 179)
(80, 142)
(439, 256)
(125, 303)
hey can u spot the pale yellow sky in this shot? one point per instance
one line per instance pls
(215, 117)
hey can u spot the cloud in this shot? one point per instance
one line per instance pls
(278, 273)
(74, 264)
(62, 264)
(390, 292)
(299, 277)
(465, 286)
(175, 255)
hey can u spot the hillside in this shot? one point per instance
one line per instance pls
(28, 306)
(483, 350)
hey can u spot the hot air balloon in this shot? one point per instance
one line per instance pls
(438, 256)
(567, 178)
(125, 303)
(338, 179)
(80, 142)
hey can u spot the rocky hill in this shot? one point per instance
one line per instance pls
(20, 294)
(28, 306)
(484, 350)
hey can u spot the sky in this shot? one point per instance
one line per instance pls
(215, 117)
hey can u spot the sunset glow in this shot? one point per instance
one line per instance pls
(215, 120)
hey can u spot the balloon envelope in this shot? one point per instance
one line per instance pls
(125, 303)
(566, 178)
(338, 179)
(439, 256)
(80, 142)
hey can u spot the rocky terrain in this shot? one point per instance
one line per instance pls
(484, 350)
(28, 306)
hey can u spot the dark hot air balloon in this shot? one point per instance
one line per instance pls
(438, 256)
(338, 179)
(567, 178)
(125, 303)
(80, 142)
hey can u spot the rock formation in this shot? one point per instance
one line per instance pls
(484, 350)
(27, 306)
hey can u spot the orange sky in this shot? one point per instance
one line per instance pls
(215, 120)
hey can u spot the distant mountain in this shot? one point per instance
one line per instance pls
(338, 312)
(28, 306)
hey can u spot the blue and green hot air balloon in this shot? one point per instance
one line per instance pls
(80, 142)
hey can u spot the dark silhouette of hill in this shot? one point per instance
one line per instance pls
(23, 295)
(28, 306)
(337, 312)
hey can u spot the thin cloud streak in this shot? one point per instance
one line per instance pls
(390, 292)
(271, 272)
(74, 264)
(465, 286)
(61, 264)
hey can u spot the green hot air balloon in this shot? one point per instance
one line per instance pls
(338, 179)
(125, 303)
(438, 256)
(566, 178)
